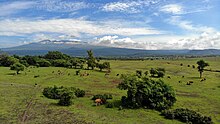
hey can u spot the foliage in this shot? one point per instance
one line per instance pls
(7, 61)
(43, 63)
(146, 73)
(56, 92)
(109, 105)
(79, 92)
(186, 115)
(17, 67)
(201, 65)
(159, 72)
(91, 61)
(144, 92)
(104, 65)
(61, 63)
(138, 73)
(66, 99)
(53, 55)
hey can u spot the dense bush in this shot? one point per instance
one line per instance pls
(109, 105)
(147, 93)
(56, 92)
(159, 72)
(43, 63)
(186, 115)
(79, 92)
(66, 98)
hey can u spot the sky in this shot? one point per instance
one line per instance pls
(137, 24)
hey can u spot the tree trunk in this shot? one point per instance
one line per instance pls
(200, 74)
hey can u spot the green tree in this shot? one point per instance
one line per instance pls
(17, 67)
(7, 61)
(43, 63)
(56, 55)
(91, 61)
(145, 92)
(201, 65)
(153, 72)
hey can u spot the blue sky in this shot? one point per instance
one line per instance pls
(138, 24)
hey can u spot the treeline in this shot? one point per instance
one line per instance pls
(54, 58)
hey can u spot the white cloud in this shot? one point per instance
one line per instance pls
(172, 8)
(61, 5)
(73, 27)
(14, 7)
(203, 41)
(128, 6)
(187, 25)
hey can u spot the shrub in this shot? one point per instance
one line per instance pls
(138, 73)
(109, 105)
(56, 92)
(66, 98)
(186, 115)
(147, 93)
(79, 93)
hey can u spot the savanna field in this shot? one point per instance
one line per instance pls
(22, 101)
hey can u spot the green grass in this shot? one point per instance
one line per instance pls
(19, 96)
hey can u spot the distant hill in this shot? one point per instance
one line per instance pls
(76, 48)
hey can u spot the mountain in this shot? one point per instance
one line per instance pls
(78, 48)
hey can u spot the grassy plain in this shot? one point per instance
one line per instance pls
(21, 101)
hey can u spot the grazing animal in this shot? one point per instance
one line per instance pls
(98, 102)
(179, 81)
(203, 79)
(68, 74)
(183, 76)
(52, 71)
(169, 77)
(117, 75)
(188, 83)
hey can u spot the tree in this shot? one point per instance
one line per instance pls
(145, 92)
(7, 61)
(56, 55)
(104, 65)
(17, 67)
(43, 63)
(153, 72)
(91, 61)
(160, 74)
(201, 65)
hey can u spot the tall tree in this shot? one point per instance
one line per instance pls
(91, 61)
(201, 65)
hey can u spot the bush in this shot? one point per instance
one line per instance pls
(66, 99)
(109, 105)
(79, 93)
(56, 92)
(146, 93)
(186, 115)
